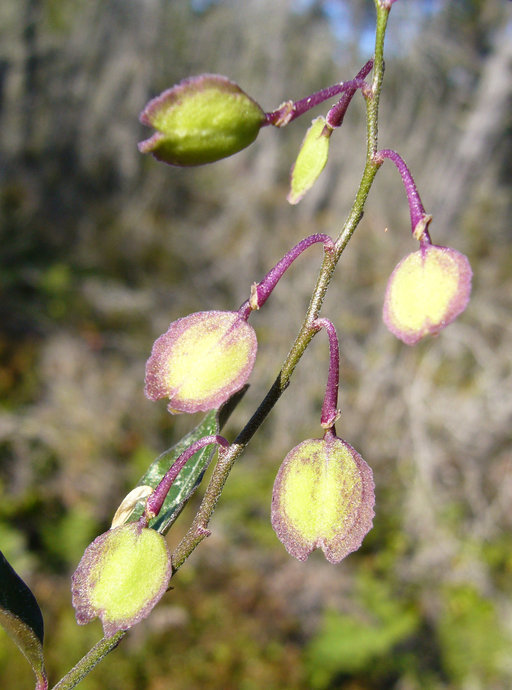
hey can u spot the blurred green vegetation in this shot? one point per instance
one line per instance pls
(101, 248)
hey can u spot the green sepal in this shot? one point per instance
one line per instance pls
(21, 618)
(311, 159)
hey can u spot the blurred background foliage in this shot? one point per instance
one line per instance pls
(101, 248)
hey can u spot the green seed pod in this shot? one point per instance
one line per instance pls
(201, 361)
(323, 497)
(121, 576)
(427, 290)
(201, 120)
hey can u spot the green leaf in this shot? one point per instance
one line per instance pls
(191, 475)
(21, 618)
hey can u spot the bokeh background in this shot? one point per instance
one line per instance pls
(101, 248)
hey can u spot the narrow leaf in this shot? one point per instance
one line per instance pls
(191, 475)
(21, 618)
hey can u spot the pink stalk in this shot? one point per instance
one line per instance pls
(157, 498)
(419, 219)
(291, 110)
(330, 412)
(261, 291)
(336, 114)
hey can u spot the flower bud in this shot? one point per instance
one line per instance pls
(201, 361)
(201, 120)
(427, 290)
(323, 497)
(121, 576)
(311, 159)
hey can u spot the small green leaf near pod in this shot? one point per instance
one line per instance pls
(311, 159)
(201, 120)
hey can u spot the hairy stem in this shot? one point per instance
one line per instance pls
(261, 291)
(330, 412)
(89, 661)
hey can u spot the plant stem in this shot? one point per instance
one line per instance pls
(198, 530)
(89, 661)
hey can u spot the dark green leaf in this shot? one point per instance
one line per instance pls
(21, 617)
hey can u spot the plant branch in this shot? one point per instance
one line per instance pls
(199, 528)
(89, 661)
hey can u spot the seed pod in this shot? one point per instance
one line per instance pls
(201, 120)
(427, 290)
(121, 576)
(201, 361)
(323, 497)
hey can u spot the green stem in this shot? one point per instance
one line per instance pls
(199, 528)
(89, 661)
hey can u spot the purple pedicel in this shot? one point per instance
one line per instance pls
(261, 291)
(330, 412)
(419, 219)
(157, 498)
(336, 114)
(291, 110)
